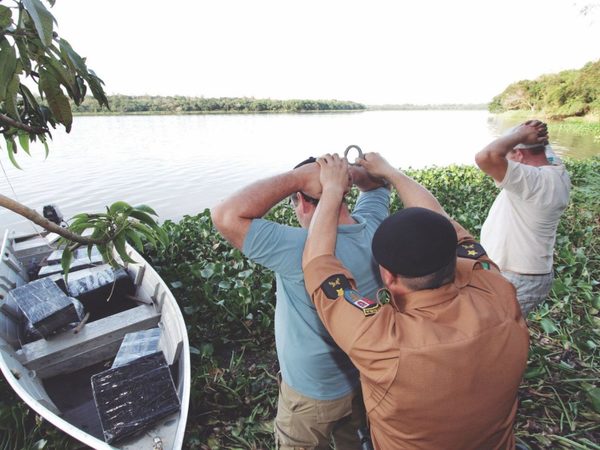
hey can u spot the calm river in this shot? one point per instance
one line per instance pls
(182, 164)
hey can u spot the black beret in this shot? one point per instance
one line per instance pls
(414, 242)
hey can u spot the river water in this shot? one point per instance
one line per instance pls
(182, 164)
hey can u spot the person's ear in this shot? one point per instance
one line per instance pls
(387, 277)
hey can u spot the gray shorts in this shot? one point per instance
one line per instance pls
(531, 289)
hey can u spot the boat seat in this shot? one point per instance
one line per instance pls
(97, 341)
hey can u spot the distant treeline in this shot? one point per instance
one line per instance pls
(412, 107)
(565, 94)
(179, 104)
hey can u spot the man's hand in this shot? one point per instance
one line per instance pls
(532, 132)
(334, 175)
(309, 179)
(376, 166)
(362, 180)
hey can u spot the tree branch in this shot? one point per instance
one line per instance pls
(13, 123)
(36, 218)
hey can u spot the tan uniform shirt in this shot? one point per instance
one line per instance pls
(439, 368)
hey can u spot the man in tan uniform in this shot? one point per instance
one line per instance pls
(441, 363)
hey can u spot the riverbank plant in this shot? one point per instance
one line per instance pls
(228, 304)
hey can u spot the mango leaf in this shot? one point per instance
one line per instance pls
(146, 209)
(146, 231)
(121, 249)
(64, 77)
(135, 240)
(11, 96)
(8, 66)
(143, 217)
(5, 17)
(42, 19)
(118, 207)
(10, 146)
(24, 141)
(65, 261)
(58, 102)
(548, 326)
(23, 54)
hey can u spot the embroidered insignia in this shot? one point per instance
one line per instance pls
(485, 265)
(472, 250)
(368, 307)
(335, 286)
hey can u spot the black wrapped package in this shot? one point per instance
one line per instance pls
(137, 344)
(132, 397)
(102, 290)
(44, 305)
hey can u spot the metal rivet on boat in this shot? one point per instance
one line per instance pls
(158, 444)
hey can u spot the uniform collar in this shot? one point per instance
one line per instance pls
(426, 298)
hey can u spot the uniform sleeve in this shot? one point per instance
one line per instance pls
(363, 329)
(373, 205)
(469, 248)
(521, 180)
(275, 246)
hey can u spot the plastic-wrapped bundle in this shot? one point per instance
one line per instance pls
(44, 305)
(134, 396)
(138, 344)
(32, 334)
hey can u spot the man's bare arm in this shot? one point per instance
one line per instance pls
(492, 159)
(322, 232)
(233, 216)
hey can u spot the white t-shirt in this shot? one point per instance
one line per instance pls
(520, 230)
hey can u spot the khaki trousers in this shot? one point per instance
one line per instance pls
(303, 423)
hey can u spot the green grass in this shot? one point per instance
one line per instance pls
(228, 304)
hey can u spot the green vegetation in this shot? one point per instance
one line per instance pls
(228, 304)
(566, 94)
(127, 104)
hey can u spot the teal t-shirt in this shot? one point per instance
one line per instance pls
(310, 361)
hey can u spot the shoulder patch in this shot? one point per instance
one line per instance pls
(335, 286)
(368, 307)
(471, 250)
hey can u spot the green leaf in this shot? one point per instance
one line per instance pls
(118, 207)
(119, 242)
(594, 396)
(146, 209)
(5, 17)
(47, 150)
(143, 217)
(42, 19)
(135, 240)
(10, 146)
(65, 261)
(146, 231)
(57, 101)
(548, 326)
(8, 66)
(64, 77)
(24, 141)
(10, 102)
(23, 53)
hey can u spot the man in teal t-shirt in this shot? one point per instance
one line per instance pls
(319, 393)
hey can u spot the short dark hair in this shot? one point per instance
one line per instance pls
(433, 280)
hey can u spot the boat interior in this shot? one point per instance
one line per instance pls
(56, 371)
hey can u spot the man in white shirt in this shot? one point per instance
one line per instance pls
(520, 230)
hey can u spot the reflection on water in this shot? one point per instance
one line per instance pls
(183, 164)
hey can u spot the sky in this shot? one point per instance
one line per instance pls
(373, 52)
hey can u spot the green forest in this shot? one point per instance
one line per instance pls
(570, 93)
(128, 104)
